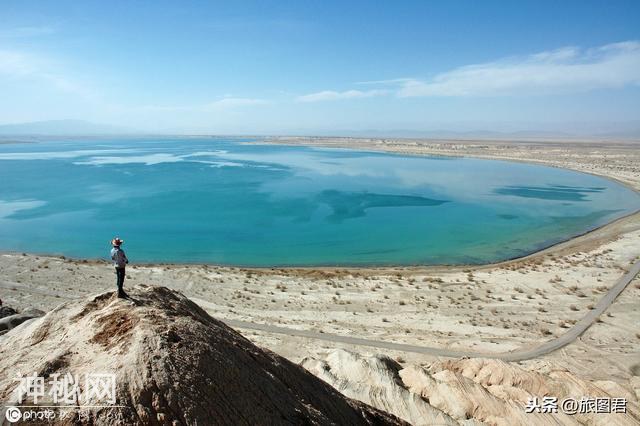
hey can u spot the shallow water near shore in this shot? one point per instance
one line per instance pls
(221, 200)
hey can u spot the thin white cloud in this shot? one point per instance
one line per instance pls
(21, 65)
(224, 104)
(569, 69)
(15, 63)
(392, 81)
(228, 103)
(330, 95)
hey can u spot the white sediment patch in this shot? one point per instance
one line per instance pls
(214, 153)
(53, 155)
(149, 160)
(218, 164)
(159, 158)
(7, 208)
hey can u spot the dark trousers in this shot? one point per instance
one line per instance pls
(120, 279)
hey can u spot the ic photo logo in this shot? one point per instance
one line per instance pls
(13, 414)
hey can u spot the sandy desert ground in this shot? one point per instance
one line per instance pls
(487, 309)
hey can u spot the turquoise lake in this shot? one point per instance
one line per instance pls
(237, 202)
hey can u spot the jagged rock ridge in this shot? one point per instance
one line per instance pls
(469, 391)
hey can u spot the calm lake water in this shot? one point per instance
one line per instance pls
(225, 201)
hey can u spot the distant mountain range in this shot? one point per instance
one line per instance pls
(63, 127)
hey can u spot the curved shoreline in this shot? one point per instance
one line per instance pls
(575, 242)
(597, 235)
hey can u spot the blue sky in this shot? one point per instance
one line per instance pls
(319, 67)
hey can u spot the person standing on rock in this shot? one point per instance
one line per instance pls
(120, 262)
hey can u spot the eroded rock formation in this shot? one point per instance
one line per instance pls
(173, 364)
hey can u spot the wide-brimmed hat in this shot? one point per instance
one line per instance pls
(117, 241)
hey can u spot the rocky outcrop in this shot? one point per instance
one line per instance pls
(173, 364)
(11, 321)
(6, 311)
(375, 381)
(467, 391)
